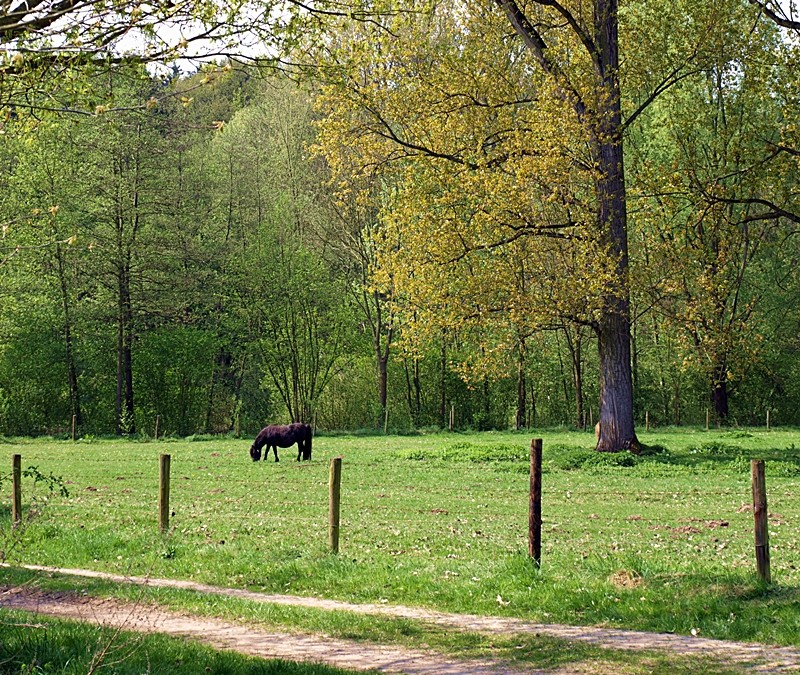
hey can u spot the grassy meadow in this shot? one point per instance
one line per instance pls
(661, 542)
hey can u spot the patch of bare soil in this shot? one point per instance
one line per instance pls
(360, 656)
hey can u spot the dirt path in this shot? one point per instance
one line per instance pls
(358, 656)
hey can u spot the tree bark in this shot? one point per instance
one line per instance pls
(614, 330)
(613, 334)
(719, 394)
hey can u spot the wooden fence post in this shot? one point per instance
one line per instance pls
(73, 428)
(158, 419)
(535, 505)
(335, 485)
(767, 419)
(16, 480)
(760, 515)
(163, 493)
(646, 421)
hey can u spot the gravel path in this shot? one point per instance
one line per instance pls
(358, 656)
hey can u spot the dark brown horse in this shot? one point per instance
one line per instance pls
(283, 436)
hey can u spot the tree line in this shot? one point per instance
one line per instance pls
(413, 228)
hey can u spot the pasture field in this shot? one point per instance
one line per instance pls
(662, 542)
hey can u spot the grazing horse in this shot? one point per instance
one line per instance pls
(283, 436)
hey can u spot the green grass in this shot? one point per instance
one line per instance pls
(533, 651)
(68, 648)
(660, 542)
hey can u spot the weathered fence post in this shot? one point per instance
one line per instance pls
(16, 480)
(760, 515)
(335, 485)
(73, 428)
(158, 419)
(646, 421)
(535, 505)
(163, 493)
(767, 419)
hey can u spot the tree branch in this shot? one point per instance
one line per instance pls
(534, 41)
(779, 19)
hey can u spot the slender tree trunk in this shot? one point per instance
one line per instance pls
(576, 355)
(72, 374)
(522, 391)
(120, 375)
(487, 405)
(210, 405)
(383, 382)
(443, 420)
(413, 392)
(564, 383)
(126, 423)
(382, 355)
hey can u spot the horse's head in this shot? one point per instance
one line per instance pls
(255, 452)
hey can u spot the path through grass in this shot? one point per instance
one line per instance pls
(662, 542)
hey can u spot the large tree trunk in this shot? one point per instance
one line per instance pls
(719, 393)
(613, 332)
(601, 116)
(614, 329)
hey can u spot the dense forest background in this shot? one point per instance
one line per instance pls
(187, 252)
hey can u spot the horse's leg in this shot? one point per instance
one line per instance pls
(299, 449)
(274, 451)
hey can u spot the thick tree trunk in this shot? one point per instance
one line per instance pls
(601, 116)
(616, 384)
(614, 329)
(719, 394)
(616, 391)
